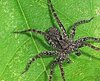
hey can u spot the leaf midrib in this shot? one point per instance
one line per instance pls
(23, 14)
(34, 43)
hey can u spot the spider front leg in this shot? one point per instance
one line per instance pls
(75, 25)
(62, 71)
(57, 19)
(31, 30)
(46, 53)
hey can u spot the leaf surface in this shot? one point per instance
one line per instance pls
(17, 49)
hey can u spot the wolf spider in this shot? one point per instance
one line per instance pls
(63, 43)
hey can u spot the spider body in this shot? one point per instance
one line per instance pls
(54, 38)
(62, 43)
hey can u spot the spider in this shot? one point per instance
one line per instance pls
(62, 43)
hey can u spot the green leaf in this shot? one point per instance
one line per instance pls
(17, 49)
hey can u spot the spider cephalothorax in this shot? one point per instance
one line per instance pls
(62, 43)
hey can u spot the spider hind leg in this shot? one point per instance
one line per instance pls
(45, 53)
(62, 71)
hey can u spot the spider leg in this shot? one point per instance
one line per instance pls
(57, 19)
(88, 38)
(74, 26)
(91, 46)
(52, 69)
(62, 71)
(46, 53)
(31, 30)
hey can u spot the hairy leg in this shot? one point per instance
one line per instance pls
(57, 19)
(46, 53)
(62, 71)
(88, 38)
(91, 46)
(31, 30)
(75, 25)
(52, 69)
